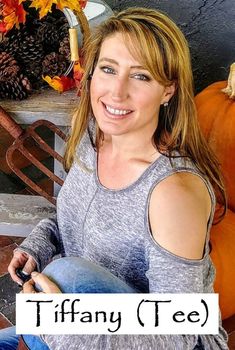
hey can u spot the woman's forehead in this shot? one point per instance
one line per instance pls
(119, 44)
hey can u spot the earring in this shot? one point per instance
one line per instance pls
(165, 104)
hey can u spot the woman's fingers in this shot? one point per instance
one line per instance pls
(43, 281)
(26, 263)
(30, 265)
(28, 287)
(18, 261)
(14, 264)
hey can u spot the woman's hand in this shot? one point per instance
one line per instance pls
(21, 260)
(46, 285)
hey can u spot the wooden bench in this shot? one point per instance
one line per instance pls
(47, 104)
(20, 213)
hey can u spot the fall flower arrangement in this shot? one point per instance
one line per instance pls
(35, 47)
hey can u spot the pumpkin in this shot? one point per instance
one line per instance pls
(216, 115)
(223, 256)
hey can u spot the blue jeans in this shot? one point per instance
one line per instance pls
(72, 275)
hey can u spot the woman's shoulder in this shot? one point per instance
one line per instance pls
(180, 207)
(182, 184)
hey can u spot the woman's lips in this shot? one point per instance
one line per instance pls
(116, 113)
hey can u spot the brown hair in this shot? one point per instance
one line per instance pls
(164, 52)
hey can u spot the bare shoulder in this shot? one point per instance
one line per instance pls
(179, 210)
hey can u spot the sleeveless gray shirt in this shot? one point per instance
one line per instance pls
(111, 229)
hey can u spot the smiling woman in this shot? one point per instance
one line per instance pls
(135, 212)
(125, 98)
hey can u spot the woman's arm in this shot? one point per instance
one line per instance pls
(179, 211)
(37, 250)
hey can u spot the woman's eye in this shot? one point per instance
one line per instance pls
(107, 70)
(141, 77)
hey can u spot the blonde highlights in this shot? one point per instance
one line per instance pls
(159, 45)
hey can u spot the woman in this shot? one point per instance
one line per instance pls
(136, 208)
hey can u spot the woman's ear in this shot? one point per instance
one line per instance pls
(168, 93)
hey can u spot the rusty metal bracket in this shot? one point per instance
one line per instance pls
(21, 135)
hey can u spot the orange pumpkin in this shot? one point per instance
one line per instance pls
(216, 114)
(223, 257)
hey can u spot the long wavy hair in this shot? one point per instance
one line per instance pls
(159, 45)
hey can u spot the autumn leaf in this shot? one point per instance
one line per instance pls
(60, 84)
(44, 6)
(3, 28)
(83, 3)
(73, 5)
(78, 72)
(13, 13)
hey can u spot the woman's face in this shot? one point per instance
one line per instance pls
(124, 96)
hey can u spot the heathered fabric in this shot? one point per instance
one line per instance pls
(111, 229)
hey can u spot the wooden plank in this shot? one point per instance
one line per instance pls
(44, 104)
(19, 214)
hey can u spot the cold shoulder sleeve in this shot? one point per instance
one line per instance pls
(168, 273)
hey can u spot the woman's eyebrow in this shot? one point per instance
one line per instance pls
(110, 60)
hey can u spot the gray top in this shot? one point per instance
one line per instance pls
(118, 219)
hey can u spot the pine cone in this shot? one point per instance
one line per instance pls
(63, 28)
(3, 45)
(12, 40)
(16, 88)
(8, 67)
(40, 47)
(34, 73)
(7, 46)
(64, 49)
(54, 64)
(30, 51)
(48, 35)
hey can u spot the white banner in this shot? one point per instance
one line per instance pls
(117, 314)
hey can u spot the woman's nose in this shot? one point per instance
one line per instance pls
(120, 88)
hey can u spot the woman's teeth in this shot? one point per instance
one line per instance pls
(117, 111)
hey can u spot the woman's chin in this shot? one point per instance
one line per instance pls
(110, 128)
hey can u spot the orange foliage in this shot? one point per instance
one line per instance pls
(45, 6)
(77, 73)
(60, 84)
(13, 14)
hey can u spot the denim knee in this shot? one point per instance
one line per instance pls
(77, 275)
(34, 342)
(8, 339)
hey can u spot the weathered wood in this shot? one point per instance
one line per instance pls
(19, 214)
(44, 104)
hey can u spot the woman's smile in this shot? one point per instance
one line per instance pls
(116, 113)
(125, 97)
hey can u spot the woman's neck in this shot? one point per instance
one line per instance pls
(126, 147)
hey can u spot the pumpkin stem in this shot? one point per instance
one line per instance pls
(230, 88)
